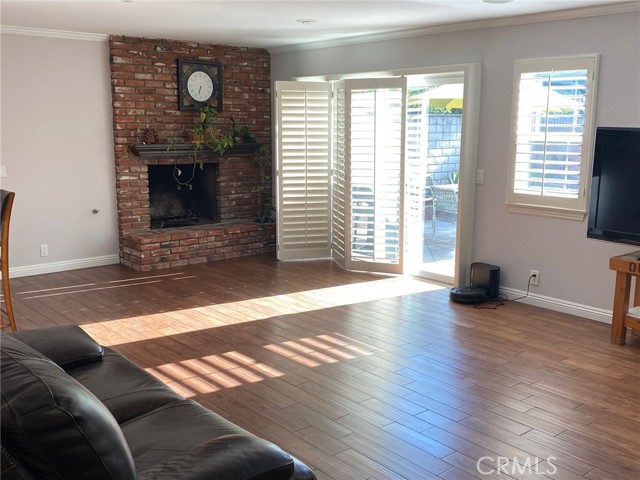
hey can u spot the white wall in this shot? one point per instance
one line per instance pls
(574, 273)
(57, 147)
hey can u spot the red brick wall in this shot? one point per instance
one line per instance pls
(145, 94)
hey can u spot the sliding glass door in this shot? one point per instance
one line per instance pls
(434, 134)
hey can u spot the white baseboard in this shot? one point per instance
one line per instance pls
(559, 305)
(551, 303)
(63, 266)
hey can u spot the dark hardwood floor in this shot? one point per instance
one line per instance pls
(365, 376)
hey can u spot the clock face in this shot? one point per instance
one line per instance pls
(200, 86)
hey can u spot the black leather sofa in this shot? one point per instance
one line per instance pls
(72, 409)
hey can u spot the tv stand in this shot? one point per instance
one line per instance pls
(626, 266)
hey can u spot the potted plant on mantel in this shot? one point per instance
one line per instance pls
(207, 132)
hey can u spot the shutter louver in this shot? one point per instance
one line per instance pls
(338, 251)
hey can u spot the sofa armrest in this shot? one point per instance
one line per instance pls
(301, 471)
(67, 345)
(233, 456)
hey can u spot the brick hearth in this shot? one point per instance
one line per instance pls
(172, 247)
(144, 95)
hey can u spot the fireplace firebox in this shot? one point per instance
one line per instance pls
(182, 195)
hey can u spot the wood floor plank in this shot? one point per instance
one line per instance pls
(590, 458)
(420, 441)
(460, 438)
(365, 376)
(390, 459)
(621, 456)
(529, 420)
(369, 467)
(494, 418)
(470, 467)
(400, 415)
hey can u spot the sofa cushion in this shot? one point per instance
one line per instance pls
(55, 426)
(67, 345)
(123, 387)
(202, 445)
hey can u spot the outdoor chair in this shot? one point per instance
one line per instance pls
(445, 200)
(429, 203)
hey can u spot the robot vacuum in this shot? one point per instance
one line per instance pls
(485, 285)
(468, 295)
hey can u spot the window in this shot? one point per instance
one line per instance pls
(552, 126)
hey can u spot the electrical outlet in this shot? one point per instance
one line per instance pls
(535, 277)
(44, 250)
(480, 177)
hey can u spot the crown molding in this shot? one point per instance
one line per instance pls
(44, 32)
(570, 14)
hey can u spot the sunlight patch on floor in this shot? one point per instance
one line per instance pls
(197, 376)
(146, 327)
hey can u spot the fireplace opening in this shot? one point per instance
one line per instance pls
(175, 205)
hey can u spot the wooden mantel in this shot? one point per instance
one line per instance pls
(182, 149)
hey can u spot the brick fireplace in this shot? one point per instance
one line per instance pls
(144, 95)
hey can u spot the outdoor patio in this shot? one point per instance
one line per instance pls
(439, 248)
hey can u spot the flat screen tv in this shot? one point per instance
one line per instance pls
(614, 206)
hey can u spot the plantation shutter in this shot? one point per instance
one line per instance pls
(374, 193)
(552, 125)
(303, 154)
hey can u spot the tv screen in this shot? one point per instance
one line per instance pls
(614, 207)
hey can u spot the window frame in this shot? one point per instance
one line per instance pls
(548, 205)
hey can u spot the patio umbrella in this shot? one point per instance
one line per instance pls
(447, 96)
(455, 103)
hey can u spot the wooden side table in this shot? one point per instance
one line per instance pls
(626, 266)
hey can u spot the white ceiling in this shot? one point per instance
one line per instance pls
(264, 23)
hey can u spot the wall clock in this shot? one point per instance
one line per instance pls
(199, 85)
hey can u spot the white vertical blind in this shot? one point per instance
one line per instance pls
(302, 159)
